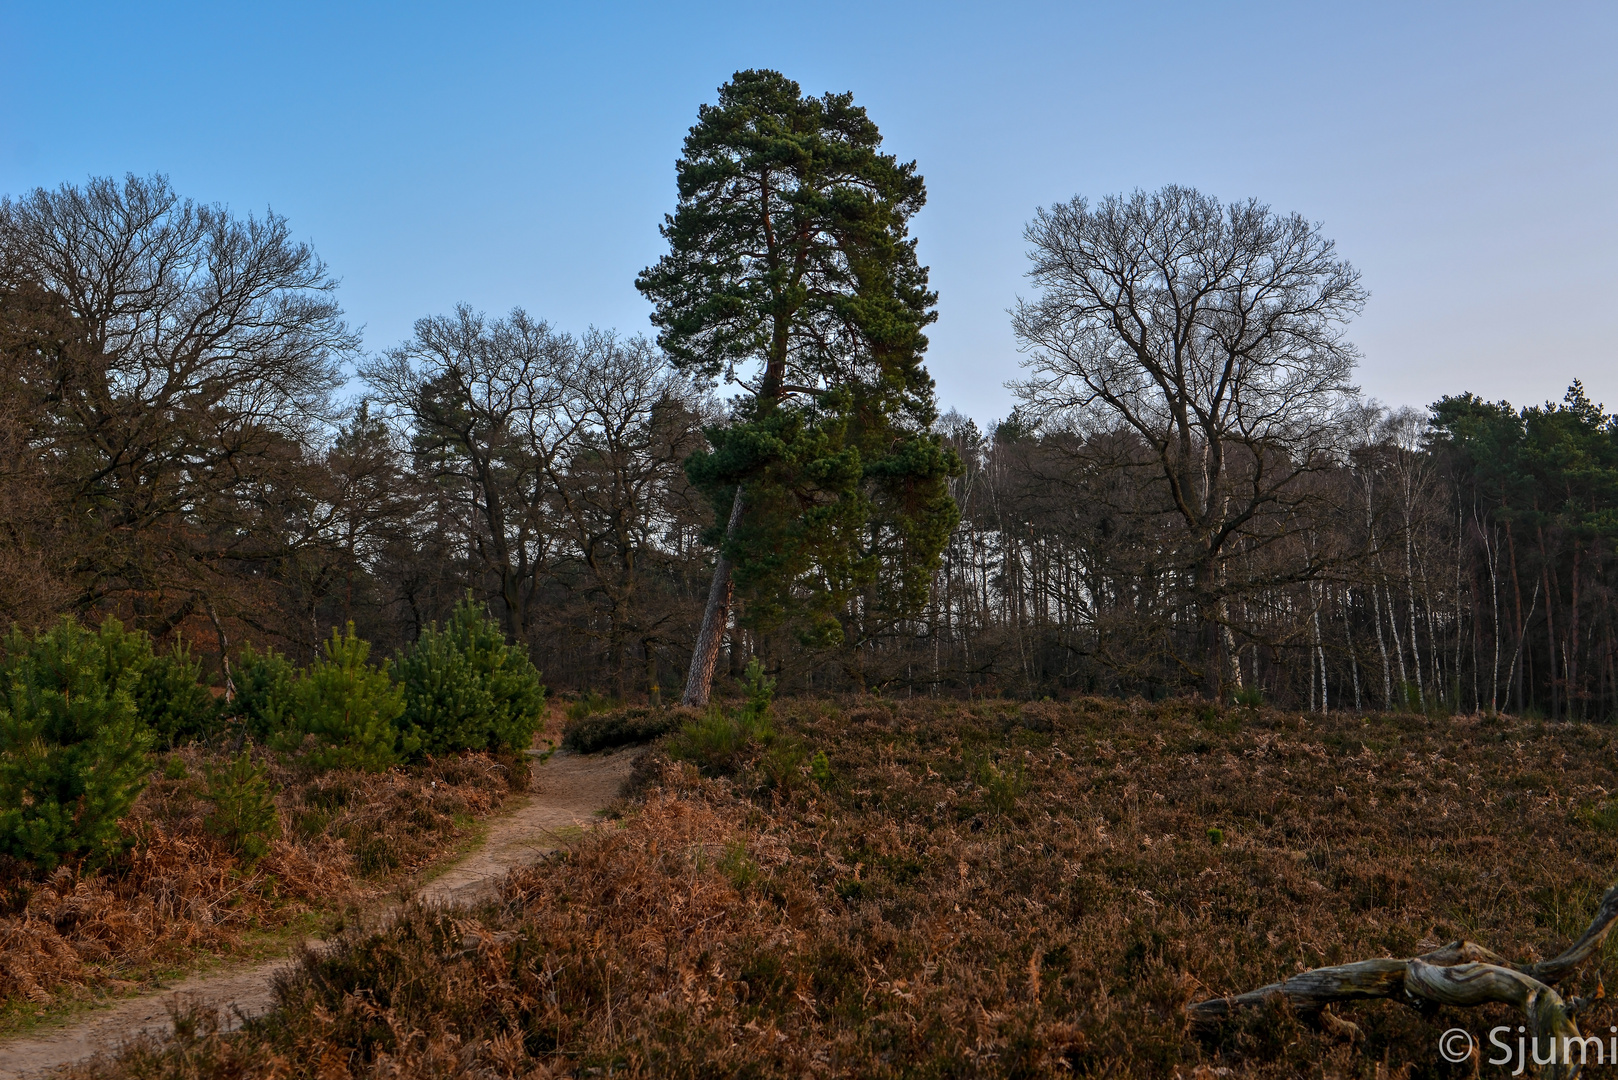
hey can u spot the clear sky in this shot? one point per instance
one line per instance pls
(1464, 156)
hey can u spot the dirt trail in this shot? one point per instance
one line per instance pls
(566, 792)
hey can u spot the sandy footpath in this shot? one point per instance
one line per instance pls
(566, 791)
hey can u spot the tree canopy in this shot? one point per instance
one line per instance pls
(1215, 335)
(791, 272)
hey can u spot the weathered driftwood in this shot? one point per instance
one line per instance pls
(1479, 984)
(1461, 973)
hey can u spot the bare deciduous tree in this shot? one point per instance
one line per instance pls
(561, 458)
(1215, 333)
(201, 350)
(619, 489)
(481, 400)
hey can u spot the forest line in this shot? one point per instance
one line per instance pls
(176, 452)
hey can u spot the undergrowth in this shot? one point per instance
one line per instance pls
(224, 849)
(591, 732)
(994, 889)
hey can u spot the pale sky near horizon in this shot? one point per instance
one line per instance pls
(1463, 156)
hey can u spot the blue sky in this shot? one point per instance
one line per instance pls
(1464, 156)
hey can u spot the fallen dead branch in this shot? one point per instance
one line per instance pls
(1462, 973)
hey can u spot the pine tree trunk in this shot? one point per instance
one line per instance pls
(699, 682)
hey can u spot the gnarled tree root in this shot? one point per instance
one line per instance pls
(1461, 973)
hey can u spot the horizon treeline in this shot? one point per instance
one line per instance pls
(174, 451)
(1459, 560)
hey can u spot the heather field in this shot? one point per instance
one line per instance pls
(875, 888)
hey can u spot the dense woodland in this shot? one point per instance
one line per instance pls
(184, 443)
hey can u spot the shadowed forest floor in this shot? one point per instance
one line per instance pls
(987, 889)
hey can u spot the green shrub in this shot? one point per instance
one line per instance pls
(347, 709)
(1249, 697)
(263, 703)
(588, 704)
(760, 689)
(243, 812)
(70, 657)
(1001, 787)
(782, 764)
(72, 749)
(820, 769)
(171, 698)
(466, 689)
(622, 727)
(715, 741)
(734, 864)
(166, 689)
(1603, 816)
(1219, 722)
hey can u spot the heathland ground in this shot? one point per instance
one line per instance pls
(871, 888)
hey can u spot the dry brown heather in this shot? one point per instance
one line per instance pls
(180, 894)
(984, 890)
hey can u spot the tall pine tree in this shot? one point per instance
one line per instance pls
(791, 273)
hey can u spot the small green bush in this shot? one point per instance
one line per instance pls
(243, 812)
(166, 689)
(715, 742)
(171, 698)
(69, 656)
(466, 689)
(710, 742)
(734, 864)
(1603, 817)
(782, 764)
(263, 703)
(820, 769)
(347, 709)
(759, 688)
(622, 727)
(1001, 787)
(588, 704)
(72, 749)
(1218, 721)
(1249, 697)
